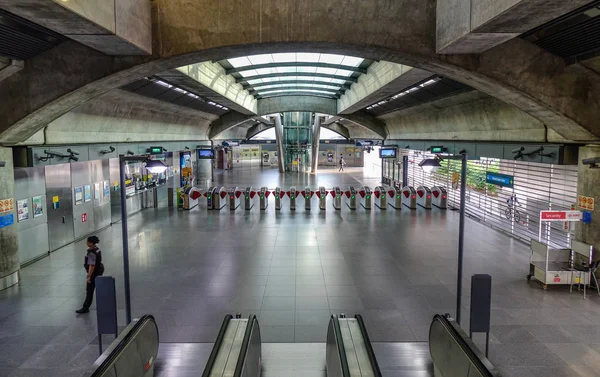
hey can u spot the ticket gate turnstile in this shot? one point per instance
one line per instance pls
(396, 198)
(263, 198)
(337, 198)
(307, 194)
(351, 198)
(440, 197)
(219, 198)
(322, 195)
(292, 194)
(234, 198)
(424, 197)
(278, 194)
(365, 197)
(210, 198)
(248, 198)
(380, 197)
(190, 198)
(409, 197)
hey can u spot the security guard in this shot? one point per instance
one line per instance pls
(94, 268)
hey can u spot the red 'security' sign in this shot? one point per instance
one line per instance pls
(560, 215)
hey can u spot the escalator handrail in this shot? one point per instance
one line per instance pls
(369, 347)
(475, 359)
(337, 331)
(245, 343)
(114, 354)
(217, 346)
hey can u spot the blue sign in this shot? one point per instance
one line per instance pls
(7, 220)
(503, 180)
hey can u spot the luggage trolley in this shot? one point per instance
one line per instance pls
(424, 197)
(440, 197)
(322, 195)
(307, 194)
(380, 197)
(278, 194)
(210, 198)
(409, 197)
(218, 198)
(396, 195)
(263, 198)
(292, 194)
(337, 198)
(351, 198)
(365, 197)
(248, 196)
(234, 198)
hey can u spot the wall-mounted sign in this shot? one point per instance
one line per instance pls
(503, 180)
(78, 195)
(106, 189)
(7, 205)
(84, 217)
(585, 202)
(97, 192)
(156, 150)
(7, 220)
(560, 215)
(38, 206)
(87, 191)
(23, 210)
(437, 149)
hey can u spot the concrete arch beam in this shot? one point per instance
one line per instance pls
(565, 98)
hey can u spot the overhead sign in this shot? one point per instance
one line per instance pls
(560, 215)
(156, 150)
(437, 149)
(503, 180)
(585, 202)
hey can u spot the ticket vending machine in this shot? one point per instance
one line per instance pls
(440, 197)
(380, 197)
(234, 198)
(210, 198)
(409, 197)
(366, 197)
(292, 194)
(351, 198)
(307, 194)
(278, 194)
(264, 198)
(322, 195)
(396, 198)
(337, 198)
(248, 198)
(424, 197)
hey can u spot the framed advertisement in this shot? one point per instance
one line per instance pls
(22, 210)
(97, 193)
(38, 206)
(106, 189)
(78, 195)
(87, 191)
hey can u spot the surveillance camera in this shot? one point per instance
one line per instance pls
(107, 151)
(73, 158)
(73, 152)
(518, 150)
(2, 164)
(53, 154)
(130, 153)
(591, 161)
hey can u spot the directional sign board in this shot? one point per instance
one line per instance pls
(503, 180)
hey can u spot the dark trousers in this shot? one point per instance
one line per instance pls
(89, 293)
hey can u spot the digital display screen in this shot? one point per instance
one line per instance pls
(206, 154)
(387, 153)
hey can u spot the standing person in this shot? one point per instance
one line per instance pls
(94, 268)
(342, 163)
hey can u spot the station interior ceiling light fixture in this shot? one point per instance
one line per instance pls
(430, 165)
(155, 166)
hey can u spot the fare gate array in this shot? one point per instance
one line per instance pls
(218, 197)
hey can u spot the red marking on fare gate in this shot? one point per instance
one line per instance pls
(223, 194)
(556, 279)
(195, 195)
(288, 193)
(348, 193)
(303, 193)
(237, 194)
(267, 193)
(84, 217)
(391, 192)
(377, 193)
(362, 193)
(332, 193)
(252, 193)
(318, 194)
(406, 193)
(420, 192)
(436, 193)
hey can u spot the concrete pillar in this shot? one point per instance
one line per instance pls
(279, 140)
(316, 134)
(9, 247)
(588, 184)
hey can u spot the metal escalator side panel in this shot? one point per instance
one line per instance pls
(218, 342)
(336, 363)
(453, 352)
(360, 349)
(236, 348)
(368, 346)
(349, 348)
(220, 365)
(249, 362)
(132, 354)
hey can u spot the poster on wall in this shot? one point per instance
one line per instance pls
(38, 206)
(97, 193)
(106, 189)
(22, 210)
(87, 193)
(78, 195)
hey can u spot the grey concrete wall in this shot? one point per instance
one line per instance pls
(588, 184)
(297, 103)
(9, 244)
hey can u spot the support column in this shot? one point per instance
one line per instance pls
(588, 184)
(279, 140)
(316, 134)
(9, 247)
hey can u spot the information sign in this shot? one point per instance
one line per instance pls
(503, 180)
(560, 215)
(585, 202)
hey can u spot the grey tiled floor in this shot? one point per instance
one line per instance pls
(396, 268)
